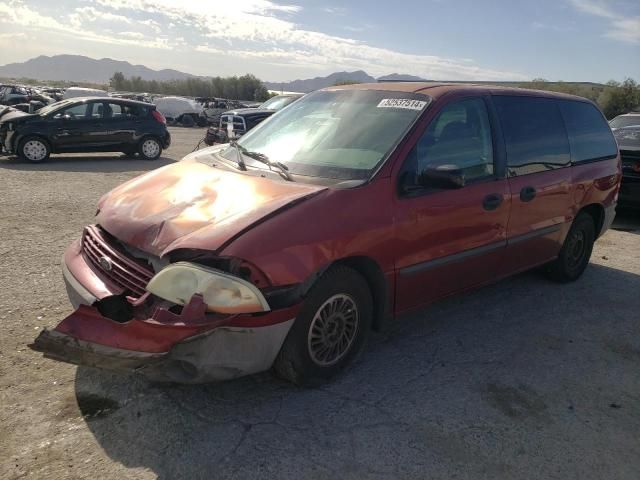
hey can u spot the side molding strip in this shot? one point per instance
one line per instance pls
(456, 257)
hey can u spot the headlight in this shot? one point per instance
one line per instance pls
(223, 293)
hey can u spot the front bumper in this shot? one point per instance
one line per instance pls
(222, 353)
(6, 144)
(190, 347)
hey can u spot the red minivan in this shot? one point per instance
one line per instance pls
(334, 216)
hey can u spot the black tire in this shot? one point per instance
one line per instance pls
(146, 151)
(306, 356)
(34, 149)
(576, 251)
(188, 121)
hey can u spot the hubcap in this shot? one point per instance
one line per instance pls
(576, 249)
(35, 150)
(150, 148)
(333, 330)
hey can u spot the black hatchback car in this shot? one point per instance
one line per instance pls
(94, 124)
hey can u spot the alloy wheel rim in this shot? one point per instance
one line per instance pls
(150, 148)
(333, 330)
(576, 248)
(35, 150)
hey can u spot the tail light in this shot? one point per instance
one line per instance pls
(159, 117)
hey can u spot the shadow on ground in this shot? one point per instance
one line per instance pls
(627, 220)
(105, 163)
(525, 379)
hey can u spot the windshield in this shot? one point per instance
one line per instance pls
(625, 121)
(341, 134)
(277, 103)
(53, 107)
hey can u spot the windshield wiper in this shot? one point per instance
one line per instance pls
(239, 160)
(262, 158)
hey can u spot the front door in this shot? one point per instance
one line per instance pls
(450, 239)
(70, 128)
(538, 168)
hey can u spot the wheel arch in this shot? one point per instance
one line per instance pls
(596, 212)
(369, 269)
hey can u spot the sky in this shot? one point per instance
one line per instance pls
(570, 40)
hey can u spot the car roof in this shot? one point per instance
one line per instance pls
(110, 99)
(439, 89)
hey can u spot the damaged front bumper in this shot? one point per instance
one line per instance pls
(190, 346)
(221, 353)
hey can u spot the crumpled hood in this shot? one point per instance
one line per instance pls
(13, 114)
(192, 205)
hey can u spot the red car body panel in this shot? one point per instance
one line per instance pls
(191, 205)
(424, 247)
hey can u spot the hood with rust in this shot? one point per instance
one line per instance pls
(192, 205)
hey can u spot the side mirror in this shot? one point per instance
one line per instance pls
(442, 176)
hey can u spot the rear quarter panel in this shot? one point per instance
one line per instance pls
(596, 182)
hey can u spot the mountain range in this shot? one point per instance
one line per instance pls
(316, 83)
(77, 68)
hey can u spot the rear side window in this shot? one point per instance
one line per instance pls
(130, 111)
(589, 134)
(534, 133)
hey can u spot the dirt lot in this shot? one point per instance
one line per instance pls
(523, 379)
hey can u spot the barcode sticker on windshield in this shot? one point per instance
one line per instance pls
(406, 103)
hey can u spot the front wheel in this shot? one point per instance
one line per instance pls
(330, 331)
(34, 149)
(576, 251)
(150, 148)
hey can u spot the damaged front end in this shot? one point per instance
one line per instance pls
(171, 320)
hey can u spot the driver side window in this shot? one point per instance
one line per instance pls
(77, 112)
(459, 138)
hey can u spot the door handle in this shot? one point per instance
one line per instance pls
(492, 201)
(527, 194)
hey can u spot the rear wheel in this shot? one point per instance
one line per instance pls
(150, 148)
(34, 149)
(330, 331)
(576, 251)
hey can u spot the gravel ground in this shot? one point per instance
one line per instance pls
(523, 379)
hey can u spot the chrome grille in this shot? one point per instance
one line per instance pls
(112, 263)
(239, 125)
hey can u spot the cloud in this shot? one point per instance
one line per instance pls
(75, 25)
(255, 30)
(335, 10)
(626, 30)
(622, 28)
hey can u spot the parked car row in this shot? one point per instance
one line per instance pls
(391, 195)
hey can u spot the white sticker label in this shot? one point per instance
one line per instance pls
(405, 103)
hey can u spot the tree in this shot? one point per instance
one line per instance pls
(247, 87)
(620, 98)
(117, 81)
